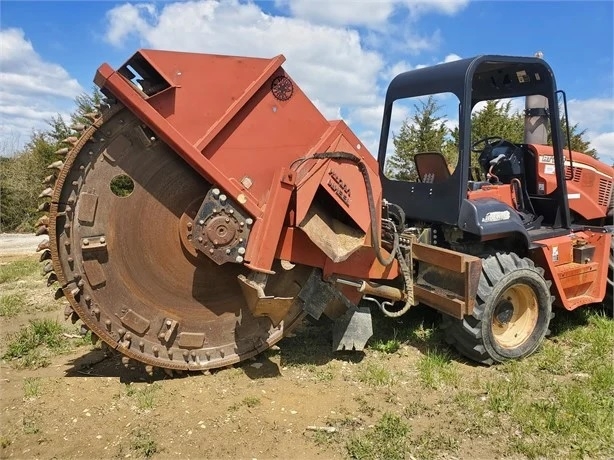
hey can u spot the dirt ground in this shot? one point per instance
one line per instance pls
(298, 400)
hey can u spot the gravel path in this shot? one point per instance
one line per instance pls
(19, 243)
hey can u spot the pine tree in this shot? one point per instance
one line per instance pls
(21, 175)
(578, 142)
(424, 132)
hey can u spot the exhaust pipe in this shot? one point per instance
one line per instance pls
(536, 117)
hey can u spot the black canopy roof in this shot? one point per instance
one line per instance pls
(490, 77)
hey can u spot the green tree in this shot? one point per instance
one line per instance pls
(21, 174)
(425, 131)
(578, 142)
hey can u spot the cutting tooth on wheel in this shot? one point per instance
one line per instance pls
(72, 140)
(67, 312)
(42, 230)
(44, 220)
(47, 268)
(180, 310)
(43, 245)
(47, 193)
(46, 255)
(74, 317)
(56, 165)
(63, 151)
(168, 372)
(49, 180)
(94, 339)
(45, 206)
(52, 278)
(79, 127)
(92, 116)
(59, 293)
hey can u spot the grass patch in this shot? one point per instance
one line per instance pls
(30, 424)
(323, 438)
(31, 387)
(387, 440)
(436, 369)
(431, 444)
(251, 401)
(364, 406)
(558, 403)
(375, 375)
(144, 443)
(386, 346)
(321, 373)
(35, 343)
(144, 397)
(11, 304)
(18, 269)
(5, 442)
(572, 420)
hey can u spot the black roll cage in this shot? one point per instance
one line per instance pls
(472, 80)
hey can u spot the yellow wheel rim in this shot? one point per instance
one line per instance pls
(515, 316)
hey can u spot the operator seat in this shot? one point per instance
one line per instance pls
(432, 167)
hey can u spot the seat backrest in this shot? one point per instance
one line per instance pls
(431, 167)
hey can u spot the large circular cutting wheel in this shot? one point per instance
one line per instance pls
(121, 207)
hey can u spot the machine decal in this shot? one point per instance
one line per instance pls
(523, 76)
(339, 187)
(546, 159)
(496, 216)
(573, 196)
(555, 253)
(549, 169)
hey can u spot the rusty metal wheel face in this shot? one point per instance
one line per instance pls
(515, 316)
(123, 256)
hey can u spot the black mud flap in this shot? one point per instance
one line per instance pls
(316, 295)
(352, 330)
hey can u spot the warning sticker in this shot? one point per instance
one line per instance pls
(555, 253)
(549, 159)
(549, 169)
(523, 76)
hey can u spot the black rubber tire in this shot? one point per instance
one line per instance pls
(474, 337)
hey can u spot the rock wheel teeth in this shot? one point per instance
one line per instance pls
(72, 140)
(43, 245)
(47, 193)
(56, 165)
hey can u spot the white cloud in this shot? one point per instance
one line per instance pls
(596, 116)
(371, 13)
(449, 7)
(33, 90)
(604, 144)
(330, 64)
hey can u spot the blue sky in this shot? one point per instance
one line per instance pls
(341, 53)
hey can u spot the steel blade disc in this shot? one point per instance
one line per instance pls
(119, 218)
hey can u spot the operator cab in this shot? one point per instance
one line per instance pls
(497, 196)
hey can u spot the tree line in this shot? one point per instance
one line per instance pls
(426, 131)
(22, 172)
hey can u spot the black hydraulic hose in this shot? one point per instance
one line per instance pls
(350, 157)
